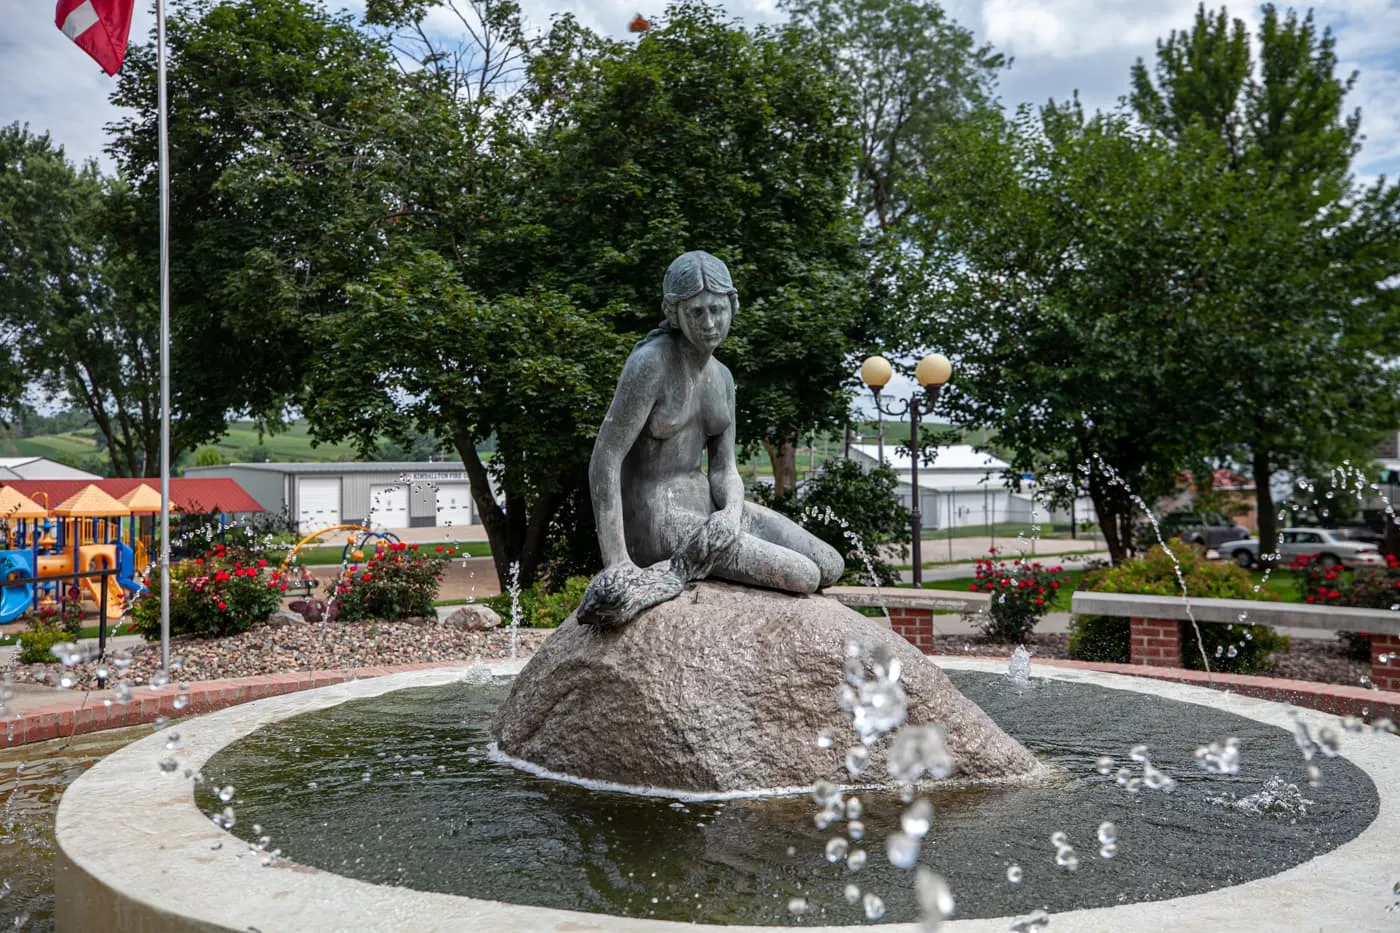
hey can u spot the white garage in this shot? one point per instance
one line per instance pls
(318, 502)
(388, 506)
(454, 505)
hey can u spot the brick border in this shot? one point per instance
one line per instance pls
(41, 723)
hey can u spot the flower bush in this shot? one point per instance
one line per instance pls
(42, 634)
(540, 608)
(1367, 588)
(66, 616)
(213, 595)
(1231, 648)
(397, 581)
(1021, 592)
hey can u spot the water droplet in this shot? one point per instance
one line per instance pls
(919, 751)
(796, 905)
(935, 897)
(856, 830)
(853, 808)
(1059, 839)
(903, 849)
(825, 738)
(874, 907)
(857, 759)
(1328, 741)
(1034, 922)
(1314, 775)
(917, 820)
(159, 678)
(1013, 874)
(836, 849)
(1133, 785)
(1066, 859)
(852, 894)
(226, 793)
(1138, 753)
(855, 861)
(169, 765)
(824, 792)
(172, 739)
(1104, 764)
(1108, 850)
(121, 693)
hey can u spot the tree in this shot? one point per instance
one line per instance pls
(1062, 264)
(705, 135)
(1310, 253)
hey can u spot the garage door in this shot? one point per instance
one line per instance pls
(388, 506)
(318, 503)
(454, 505)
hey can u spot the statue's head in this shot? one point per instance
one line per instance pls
(699, 299)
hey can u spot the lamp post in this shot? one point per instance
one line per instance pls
(932, 373)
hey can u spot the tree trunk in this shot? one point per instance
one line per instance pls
(784, 460)
(1264, 505)
(1110, 521)
(517, 534)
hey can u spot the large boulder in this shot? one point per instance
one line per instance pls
(725, 688)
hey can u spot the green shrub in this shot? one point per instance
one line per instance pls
(1096, 638)
(540, 608)
(213, 595)
(398, 581)
(66, 616)
(1021, 592)
(36, 641)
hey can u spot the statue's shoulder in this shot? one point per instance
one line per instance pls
(722, 373)
(646, 361)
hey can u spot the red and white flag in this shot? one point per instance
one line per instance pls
(100, 28)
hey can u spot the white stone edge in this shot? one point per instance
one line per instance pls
(137, 832)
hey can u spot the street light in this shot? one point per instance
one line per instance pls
(933, 372)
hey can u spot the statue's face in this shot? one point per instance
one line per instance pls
(704, 319)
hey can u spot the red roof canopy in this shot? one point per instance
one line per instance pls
(187, 494)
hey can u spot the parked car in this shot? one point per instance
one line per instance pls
(1204, 529)
(1331, 545)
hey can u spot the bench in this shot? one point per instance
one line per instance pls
(1155, 625)
(911, 611)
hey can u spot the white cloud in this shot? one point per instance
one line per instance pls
(1059, 46)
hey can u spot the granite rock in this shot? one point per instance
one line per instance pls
(725, 688)
(474, 618)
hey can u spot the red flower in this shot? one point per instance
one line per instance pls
(438, 548)
(199, 560)
(1309, 599)
(222, 604)
(262, 563)
(1054, 584)
(367, 577)
(221, 576)
(1039, 601)
(973, 587)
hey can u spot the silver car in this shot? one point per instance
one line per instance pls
(1331, 546)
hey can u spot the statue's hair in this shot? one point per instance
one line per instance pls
(695, 272)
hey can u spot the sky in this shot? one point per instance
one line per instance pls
(1057, 47)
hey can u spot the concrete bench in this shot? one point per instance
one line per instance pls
(1155, 625)
(911, 611)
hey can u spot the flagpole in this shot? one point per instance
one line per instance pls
(164, 161)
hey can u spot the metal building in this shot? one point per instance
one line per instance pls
(392, 495)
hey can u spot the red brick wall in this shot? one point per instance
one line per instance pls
(1155, 642)
(915, 625)
(1385, 675)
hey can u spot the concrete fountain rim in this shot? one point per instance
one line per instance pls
(163, 872)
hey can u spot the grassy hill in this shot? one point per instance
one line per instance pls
(293, 445)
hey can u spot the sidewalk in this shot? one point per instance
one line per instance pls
(942, 550)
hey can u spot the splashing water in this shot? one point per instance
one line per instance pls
(1278, 798)
(515, 611)
(1019, 667)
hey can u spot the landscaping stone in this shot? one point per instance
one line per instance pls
(285, 617)
(474, 618)
(725, 688)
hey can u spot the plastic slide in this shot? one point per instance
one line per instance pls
(102, 557)
(16, 600)
(126, 570)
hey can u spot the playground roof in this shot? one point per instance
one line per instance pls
(187, 494)
(141, 499)
(91, 502)
(14, 504)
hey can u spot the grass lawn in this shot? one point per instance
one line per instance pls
(331, 556)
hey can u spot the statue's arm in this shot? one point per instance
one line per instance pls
(631, 406)
(726, 486)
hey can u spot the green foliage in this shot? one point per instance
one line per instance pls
(398, 581)
(208, 456)
(1095, 638)
(1021, 592)
(36, 641)
(540, 608)
(210, 596)
(67, 616)
(852, 509)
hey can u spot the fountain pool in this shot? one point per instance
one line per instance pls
(481, 843)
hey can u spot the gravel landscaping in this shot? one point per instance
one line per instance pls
(304, 646)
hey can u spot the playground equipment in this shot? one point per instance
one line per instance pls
(356, 539)
(81, 535)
